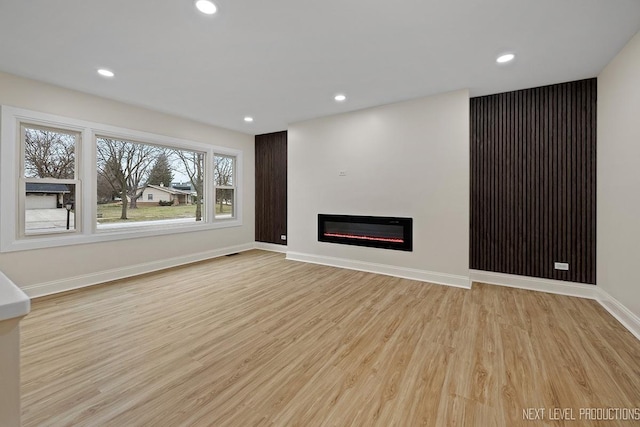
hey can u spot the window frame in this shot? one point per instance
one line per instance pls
(226, 187)
(21, 229)
(12, 182)
(23, 180)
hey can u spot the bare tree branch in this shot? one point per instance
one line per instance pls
(49, 154)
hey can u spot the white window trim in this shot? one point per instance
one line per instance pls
(10, 158)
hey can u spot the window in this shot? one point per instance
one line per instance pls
(126, 169)
(49, 177)
(224, 180)
(75, 182)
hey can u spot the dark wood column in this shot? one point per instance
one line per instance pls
(271, 187)
(533, 181)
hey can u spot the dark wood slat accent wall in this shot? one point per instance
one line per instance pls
(533, 181)
(271, 187)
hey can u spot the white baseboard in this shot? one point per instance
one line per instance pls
(272, 247)
(620, 312)
(71, 283)
(628, 319)
(388, 270)
(559, 287)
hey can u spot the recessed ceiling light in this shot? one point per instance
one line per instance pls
(340, 97)
(206, 6)
(248, 119)
(504, 58)
(105, 73)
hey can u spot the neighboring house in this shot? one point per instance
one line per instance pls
(45, 196)
(153, 194)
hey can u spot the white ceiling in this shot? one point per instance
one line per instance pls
(282, 61)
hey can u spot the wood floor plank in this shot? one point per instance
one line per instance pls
(256, 340)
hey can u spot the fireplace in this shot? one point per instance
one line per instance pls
(373, 231)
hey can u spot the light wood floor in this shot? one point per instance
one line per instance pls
(255, 340)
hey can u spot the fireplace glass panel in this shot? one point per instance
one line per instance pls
(379, 232)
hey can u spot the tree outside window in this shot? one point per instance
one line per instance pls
(128, 169)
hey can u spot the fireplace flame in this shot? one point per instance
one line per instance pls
(359, 237)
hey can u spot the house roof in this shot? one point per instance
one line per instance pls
(283, 62)
(182, 186)
(169, 190)
(33, 187)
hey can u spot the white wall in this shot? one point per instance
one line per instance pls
(27, 268)
(409, 159)
(618, 238)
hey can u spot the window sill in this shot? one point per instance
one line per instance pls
(132, 225)
(116, 232)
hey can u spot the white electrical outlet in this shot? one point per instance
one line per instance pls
(283, 237)
(561, 266)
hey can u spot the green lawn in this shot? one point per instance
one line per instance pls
(226, 209)
(111, 212)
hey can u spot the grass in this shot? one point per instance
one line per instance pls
(110, 212)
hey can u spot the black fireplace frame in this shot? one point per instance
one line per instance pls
(406, 223)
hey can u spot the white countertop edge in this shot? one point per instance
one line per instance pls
(13, 302)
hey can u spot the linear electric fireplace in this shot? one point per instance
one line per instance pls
(374, 231)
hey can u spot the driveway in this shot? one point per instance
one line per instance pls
(48, 220)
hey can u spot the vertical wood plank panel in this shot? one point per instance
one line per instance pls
(533, 181)
(271, 187)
